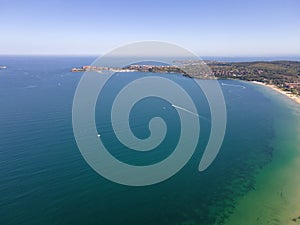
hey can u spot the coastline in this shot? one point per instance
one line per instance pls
(276, 194)
(287, 94)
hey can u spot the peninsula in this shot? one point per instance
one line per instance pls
(284, 76)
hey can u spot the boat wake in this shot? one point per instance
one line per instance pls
(190, 112)
(233, 85)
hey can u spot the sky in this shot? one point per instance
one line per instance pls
(206, 27)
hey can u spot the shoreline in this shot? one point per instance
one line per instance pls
(276, 194)
(277, 89)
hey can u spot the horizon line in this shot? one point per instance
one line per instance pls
(204, 56)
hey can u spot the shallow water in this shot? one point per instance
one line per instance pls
(276, 194)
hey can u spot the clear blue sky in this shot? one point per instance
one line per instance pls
(207, 27)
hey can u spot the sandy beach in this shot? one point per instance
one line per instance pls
(289, 95)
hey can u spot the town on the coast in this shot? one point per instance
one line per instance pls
(284, 75)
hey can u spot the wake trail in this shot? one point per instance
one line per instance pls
(188, 111)
(233, 85)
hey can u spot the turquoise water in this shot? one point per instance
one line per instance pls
(45, 180)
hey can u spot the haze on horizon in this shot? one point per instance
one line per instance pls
(207, 27)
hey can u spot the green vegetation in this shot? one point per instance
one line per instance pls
(283, 74)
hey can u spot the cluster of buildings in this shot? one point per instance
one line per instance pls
(151, 68)
(293, 86)
(234, 73)
(89, 68)
(99, 69)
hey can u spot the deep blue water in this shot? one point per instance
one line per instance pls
(45, 180)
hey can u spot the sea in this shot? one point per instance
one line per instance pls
(44, 179)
